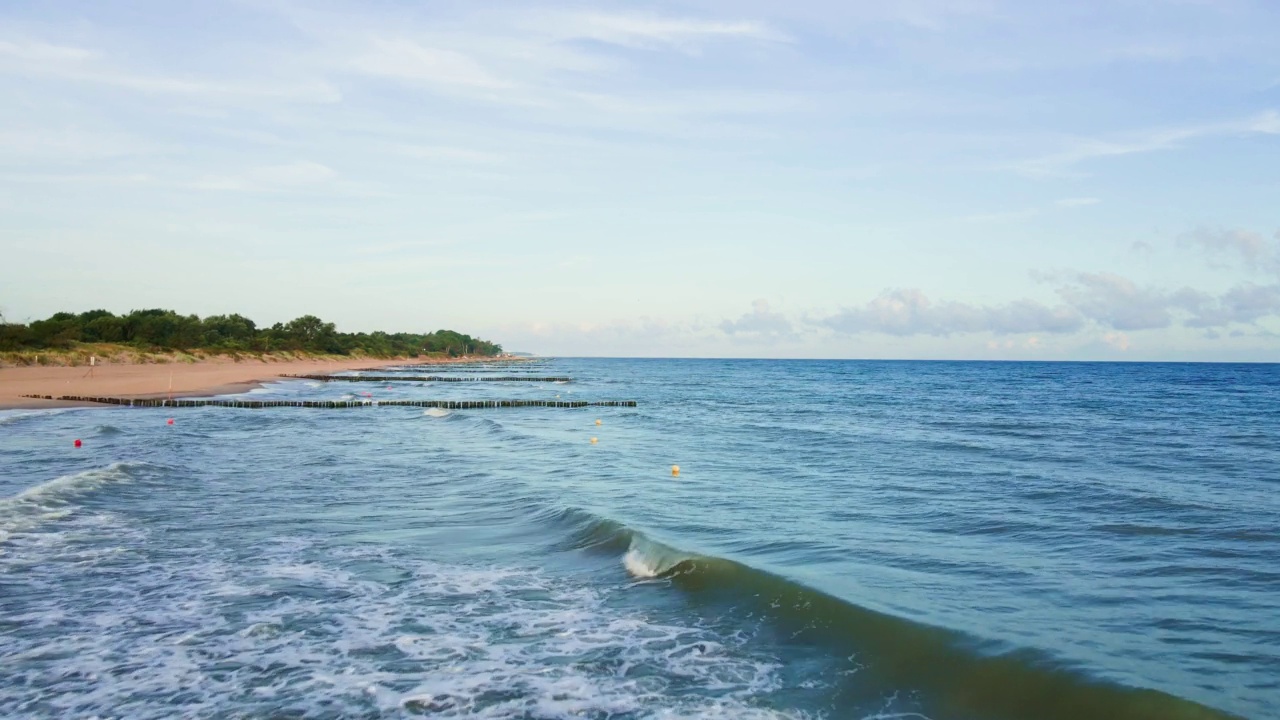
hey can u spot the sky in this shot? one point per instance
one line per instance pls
(962, 179)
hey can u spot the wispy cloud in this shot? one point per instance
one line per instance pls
(1256, 251)
(554, 60)
(41, 52)
(29, 57)
(699, 147)
(655, 31)
(72, 144)
(271, 178)
(405, 59)
(1080, 151)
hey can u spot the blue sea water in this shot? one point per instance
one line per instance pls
(844, 540)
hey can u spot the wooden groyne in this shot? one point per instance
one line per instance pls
(424, 378)
(336, 404)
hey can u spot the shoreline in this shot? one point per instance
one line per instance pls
(148, 381)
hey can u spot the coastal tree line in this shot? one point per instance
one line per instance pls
(168, 330)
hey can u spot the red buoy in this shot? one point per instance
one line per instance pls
(170, 421)
(77, 442)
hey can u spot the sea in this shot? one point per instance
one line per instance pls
(844, 539)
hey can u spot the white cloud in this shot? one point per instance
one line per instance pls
(759, 324)
(1245, 303)
(405, 59)
(1105, 299)
(910, 312)
(1117, 340)
(1253, 249)
(649, 31)
(1268, 123)
(1080, 151)
(1119, 303)
(1031, 343)
(535, 58)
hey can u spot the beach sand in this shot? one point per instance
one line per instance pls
(210, 377)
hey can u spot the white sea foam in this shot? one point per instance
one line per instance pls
(53, 499)
(8, 417)
(638, 565)
(437, 412)
(306, 632)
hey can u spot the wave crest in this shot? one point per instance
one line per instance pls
(52, 499)
(960, 675)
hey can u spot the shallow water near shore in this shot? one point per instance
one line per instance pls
(845, 540)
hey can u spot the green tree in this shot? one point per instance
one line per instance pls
(166, 329)
(104, 328)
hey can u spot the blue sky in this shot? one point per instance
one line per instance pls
(962, 179)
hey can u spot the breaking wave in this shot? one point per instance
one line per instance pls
(957, 674)
(54, 498)
(296, 632)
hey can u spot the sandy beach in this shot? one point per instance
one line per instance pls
(211, 377)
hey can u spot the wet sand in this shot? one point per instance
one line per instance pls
(211, 377)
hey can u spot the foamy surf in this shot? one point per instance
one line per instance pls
(52, 500)
(638, 565)
(324, 636)
(8, 417)
(646, 559)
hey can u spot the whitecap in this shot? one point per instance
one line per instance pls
(8, 417)
(52, 500)
(638, 565)
(320, 637)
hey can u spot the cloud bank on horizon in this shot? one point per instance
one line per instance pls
(929, 178)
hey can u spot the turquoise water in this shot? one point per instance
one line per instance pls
(845, 540)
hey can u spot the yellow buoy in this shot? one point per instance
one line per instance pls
(594, 440)
(675, 471)
(599, 423)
